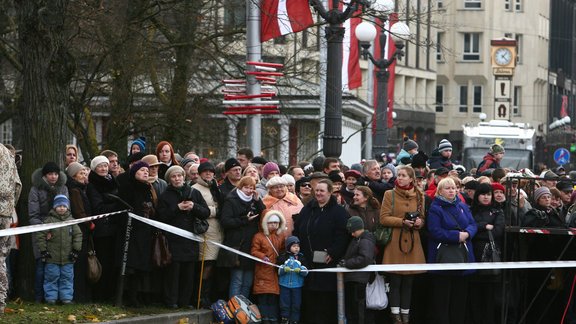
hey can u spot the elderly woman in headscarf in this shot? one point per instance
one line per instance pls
(280, 199)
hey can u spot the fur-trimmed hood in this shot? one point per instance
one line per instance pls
(264, 222)
(39, 182)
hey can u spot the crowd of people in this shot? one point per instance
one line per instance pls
(312, 215)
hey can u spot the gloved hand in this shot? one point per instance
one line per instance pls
(73, 256)
(297, 270)
(342, 263)
(287, 269)
(45, 255)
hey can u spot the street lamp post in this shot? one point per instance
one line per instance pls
(332, 137)
(366, 32)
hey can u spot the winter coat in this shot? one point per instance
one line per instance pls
(360, 254)
(405, 246)
(438, 161)
(289, 205)
(238, 230)
(159, 185)
(542, 217)
(79, 204)
(404, 157)
(292, 279)
(138, 195)
(488, 162)
(213, 198)
(443, 229)
(322, 229)
(370, 215)
(182, 249)
(42, 195)
(62, 241)
(267, 245)
(483, 216)
(379, 187)
(10, 184)
(100, 192)
(226, 187)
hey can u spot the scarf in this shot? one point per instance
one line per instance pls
(446, 199)
(243, 196)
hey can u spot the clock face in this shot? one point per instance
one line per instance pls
(503, 56)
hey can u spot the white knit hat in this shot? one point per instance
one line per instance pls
(98, 160)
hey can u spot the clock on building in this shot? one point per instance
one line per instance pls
(502, 56)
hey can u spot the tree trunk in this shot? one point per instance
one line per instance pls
(47, 68)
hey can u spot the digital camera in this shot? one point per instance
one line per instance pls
(411, 216)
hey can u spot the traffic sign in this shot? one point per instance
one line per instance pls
(561, 156)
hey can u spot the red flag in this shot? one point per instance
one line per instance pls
(281, 17)
(351, 73)
(388, 51)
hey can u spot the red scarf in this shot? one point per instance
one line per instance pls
(408, 187)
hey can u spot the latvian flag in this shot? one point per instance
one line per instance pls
(281, 17)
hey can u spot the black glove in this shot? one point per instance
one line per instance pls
(73, 256)
(45, 255)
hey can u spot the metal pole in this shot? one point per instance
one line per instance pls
(253, 53)
(333, 115)
(340, 294)
(120, 287)
(381, 134)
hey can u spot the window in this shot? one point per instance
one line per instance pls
(440, 4)
(471, 47)
(439, 98)
(280, 40)
(439, 41)
(507, 5)
(473, 4)
(517, 101)
(6, 132)
(463, 106)
(518, 38)
(234, 14)
(477, 107)
(518, 5)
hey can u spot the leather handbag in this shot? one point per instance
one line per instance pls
(200, 226)
(94, 268)
(383, 233)
(161, 256)
(452, 253)
(490, 254)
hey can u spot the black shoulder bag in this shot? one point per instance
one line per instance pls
(452, 253)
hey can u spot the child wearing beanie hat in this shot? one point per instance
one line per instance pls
(388, 172)
(138, 145)
(266, 245)
(409, 149)
(491, 160)
(59, 249)
(291, 279)
(359, 254)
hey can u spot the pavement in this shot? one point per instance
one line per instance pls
(201, 316)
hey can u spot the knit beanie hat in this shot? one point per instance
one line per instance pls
(73, 168)
(137, 166)
(409, 144)
(444, 145)
(141, 142)
(269, 167)
(98, 160)
(172, 169)
(390, 167)
(540, 192)
(335, 176)
(50, 167)
(185, 161)
(497, 186)
(419, 160)
(206, 166)
(230, 163)
(496, 148)
(289, 179)
(61, 200)
(291, 240)
(354, 223)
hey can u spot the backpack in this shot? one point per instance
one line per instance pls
(221, 312)
(244, 310)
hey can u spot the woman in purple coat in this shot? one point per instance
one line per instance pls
(449, 222)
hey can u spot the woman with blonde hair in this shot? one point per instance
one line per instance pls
(252, 171)
(449, 223)
(403, 211)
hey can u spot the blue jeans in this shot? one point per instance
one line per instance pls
(39, 281)
(59, 282)
(290, 301)
(240, 282)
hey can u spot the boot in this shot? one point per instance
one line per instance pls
(396, 319)
(405, 318)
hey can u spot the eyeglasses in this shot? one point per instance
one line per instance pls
(307, 184)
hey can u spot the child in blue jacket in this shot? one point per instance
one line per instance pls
(292, 273)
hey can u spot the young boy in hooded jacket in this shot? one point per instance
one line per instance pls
(59, 248)
(292, 272)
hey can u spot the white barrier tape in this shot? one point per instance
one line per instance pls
(457, 266)
(192, 236)
(45, 227)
